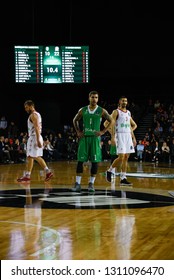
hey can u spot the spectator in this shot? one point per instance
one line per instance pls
(3, 126)
(148, 153)
(156, 152)
(165, 152)
(12, 130)
(140, 150)
(172, 151)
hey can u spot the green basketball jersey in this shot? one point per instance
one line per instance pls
(91, 120)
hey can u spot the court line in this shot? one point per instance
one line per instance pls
(39, 252)
(145, 175)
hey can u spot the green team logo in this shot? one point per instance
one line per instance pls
(125, 125)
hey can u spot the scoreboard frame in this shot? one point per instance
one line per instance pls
(51, 64)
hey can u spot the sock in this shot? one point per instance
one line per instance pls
(47, 170)
(91, 179)
(114, 170)
(111, 169)
(123, 175)
(27, 174)
(78, 179)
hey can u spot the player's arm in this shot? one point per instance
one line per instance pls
(133, 127)
(111, 129)
(114, 117)
(35, 120)
(76, 120)
(109, 120)
(113, 132)
(133, 124)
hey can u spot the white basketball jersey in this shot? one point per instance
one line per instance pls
(123, 121)
(31, 130)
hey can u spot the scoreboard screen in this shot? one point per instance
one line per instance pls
(51, 64)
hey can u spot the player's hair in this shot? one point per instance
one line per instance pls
(29, 103)
(93, 92)
(122, 97)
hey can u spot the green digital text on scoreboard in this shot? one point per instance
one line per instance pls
(51, 64)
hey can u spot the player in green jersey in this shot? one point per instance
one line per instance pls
(89, 148)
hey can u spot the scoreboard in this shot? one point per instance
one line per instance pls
(51, 64)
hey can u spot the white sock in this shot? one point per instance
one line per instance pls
(123, 175)
(78, 179)
(92, 180)
(111, 169)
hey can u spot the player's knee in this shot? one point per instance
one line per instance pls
(79, 168)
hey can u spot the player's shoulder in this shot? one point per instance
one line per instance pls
(115, 112)
(35, 114)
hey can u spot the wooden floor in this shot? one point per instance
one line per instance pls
(48, 221)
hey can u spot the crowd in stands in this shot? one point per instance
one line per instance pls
(57, 146)
(157, 145)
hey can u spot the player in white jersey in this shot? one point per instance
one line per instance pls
(123, 136)
(34, 143)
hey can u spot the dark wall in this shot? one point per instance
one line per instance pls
(129, 54)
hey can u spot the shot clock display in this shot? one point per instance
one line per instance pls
(51, 64)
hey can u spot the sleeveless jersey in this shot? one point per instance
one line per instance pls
(123, 121)
(91, 120)
(123, 133)
(31, 130)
